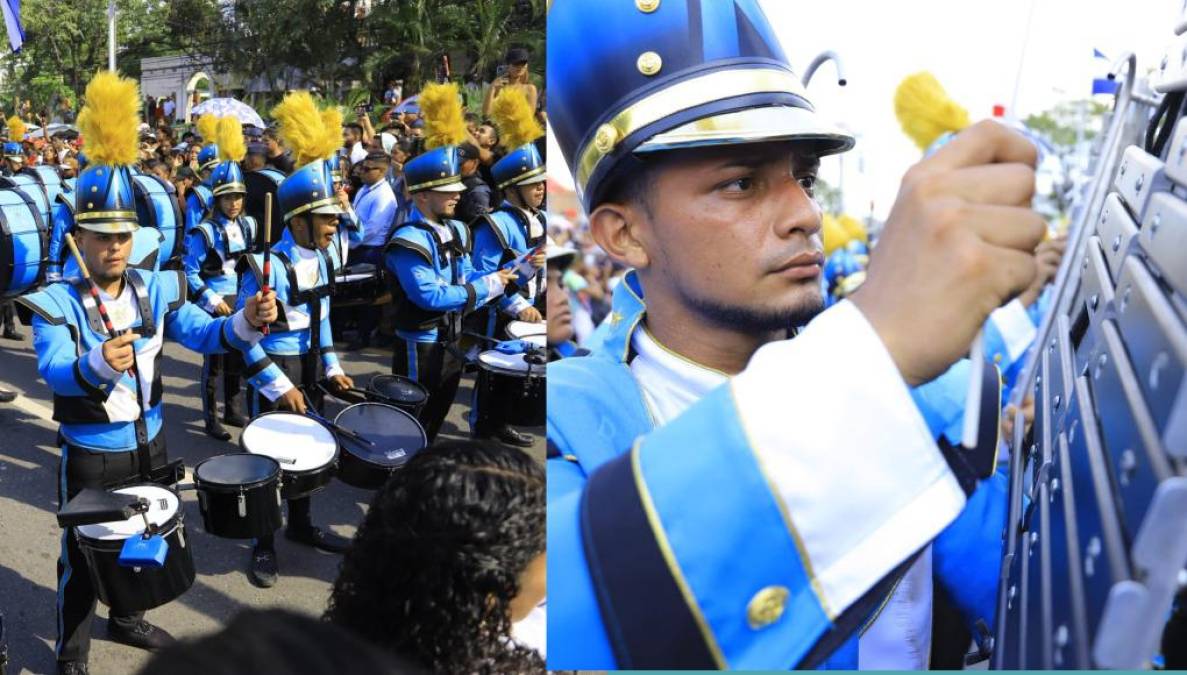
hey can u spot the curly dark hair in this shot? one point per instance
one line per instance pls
(437, 561)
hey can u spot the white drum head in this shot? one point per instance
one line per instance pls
(162, 505)
(522, 330)
(297, 442)
(507, 362)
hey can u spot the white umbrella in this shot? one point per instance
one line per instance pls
(229, 107)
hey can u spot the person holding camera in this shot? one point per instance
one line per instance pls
(513, 73)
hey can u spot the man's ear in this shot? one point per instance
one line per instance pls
(618, 229)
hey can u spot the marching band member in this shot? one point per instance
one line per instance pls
(560, 317)
(428, 263)
(110, 421)
(707, 409)
(213, 250)
(300, 346)
(200, 199)
(513, 229)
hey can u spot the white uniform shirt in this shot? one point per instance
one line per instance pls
(375, 206)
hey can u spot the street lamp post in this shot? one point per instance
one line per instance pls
(111, 35)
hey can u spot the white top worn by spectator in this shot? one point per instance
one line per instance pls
(375, 206)
(357, 154)
(899, 638)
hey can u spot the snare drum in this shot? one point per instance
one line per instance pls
(510, 390)
(397, 437)
(404, 393)
(306, 451)
(239, 495)
(535, 332)
(134, 589)
(358, 283)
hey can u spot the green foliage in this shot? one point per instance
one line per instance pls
(1062, 124)
(281, 44)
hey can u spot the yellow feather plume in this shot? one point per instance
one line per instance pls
(16, 128)
(310, 133)
(110, 120)
(441, 107)
(231, 145)
(331, 119)
(208, 127)
(925, 111)
(513, 116)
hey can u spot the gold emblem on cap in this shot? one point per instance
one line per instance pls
(647, 6)
(606, 138)
(649, 63)
(767, 606)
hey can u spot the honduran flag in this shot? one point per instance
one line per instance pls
(12, 22)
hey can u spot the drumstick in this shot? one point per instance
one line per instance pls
(266, 329)
(342, 430)
(86, 274)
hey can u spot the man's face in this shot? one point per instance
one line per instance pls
(373, 172)
(106, 255)
(470, 167)
(161, 171)
(732, 235)
(231, 204)
(349, 137)
(315, 230)
(486, 136)
(438, 205)
(532, 195)
(273, 146)
(560, 317)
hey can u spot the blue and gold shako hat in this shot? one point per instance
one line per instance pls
(439, 169)
(655, 75)
(109, 121)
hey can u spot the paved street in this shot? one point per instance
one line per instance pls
(29, 536)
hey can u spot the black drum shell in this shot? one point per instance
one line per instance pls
(510, 397)
(129, 589)
(219, 505)
(297, 484)
(375, 395)
(357, 471)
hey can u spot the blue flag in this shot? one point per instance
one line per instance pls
(12, 22)
(1098, 54)
(1103, 85)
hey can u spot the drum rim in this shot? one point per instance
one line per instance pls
(166, 529)
(293, 472)
(500, 370)
(398, 378)
(228, 487)
(346, 448)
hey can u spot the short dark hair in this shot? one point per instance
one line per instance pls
(377, 156)
(272, 133)
(355, 126)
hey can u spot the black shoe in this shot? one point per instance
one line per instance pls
(317, 538)
(216, 431)
(234, 420)
(264, 568)
(72, 668)
(141, 635)
(7, 396)
(510, 436)
(13, 334)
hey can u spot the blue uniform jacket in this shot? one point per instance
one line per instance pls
(207, 250)
(500, 236)
(198, 203)
(290, 335)
(415, 259)
(708, 503)
(97, 412)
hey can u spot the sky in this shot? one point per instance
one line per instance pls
(978, 51)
